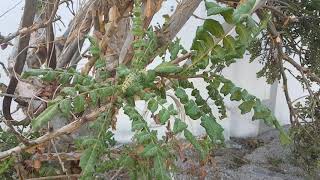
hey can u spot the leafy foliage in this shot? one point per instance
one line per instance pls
(291, 43)
(151, 157)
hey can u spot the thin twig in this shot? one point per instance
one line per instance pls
(60, 160)
(300, 68)
(181, 58)
(116, 174)
(4, 68)
(14, 96)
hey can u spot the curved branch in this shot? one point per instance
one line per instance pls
(27, 20)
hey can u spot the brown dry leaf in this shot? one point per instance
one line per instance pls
(3, 87)
(140, 149)
(242, 1)
(156, 119)
(286, 22)
(181, 152)
(203, 173)
(101, 22)
(114, 14)
(37, 164)
(36, 148)
(114, 119)
(98, 35)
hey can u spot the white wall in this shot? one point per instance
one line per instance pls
(242, 73)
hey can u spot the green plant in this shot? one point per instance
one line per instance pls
(104, 92)
(289, 47)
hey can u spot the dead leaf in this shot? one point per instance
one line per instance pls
(114, 14)
(203, 173)
(37, 164)
(156, 119)
(140, 149)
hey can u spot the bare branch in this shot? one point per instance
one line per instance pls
(182, 14)
(27, 20)
(300, 68)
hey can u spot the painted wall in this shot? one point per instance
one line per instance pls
(242, 73)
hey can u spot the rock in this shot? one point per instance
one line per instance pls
(261, 158)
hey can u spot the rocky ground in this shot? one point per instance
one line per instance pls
(261, 158)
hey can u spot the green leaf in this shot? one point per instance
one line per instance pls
(227, 88)
(245, 96)
(94, 97)
(150, 150)
(82, 89)
(139, 43)
(106, 91)
(236, 95)
(45, 117)
(100, 63)
(95, 51)
(214, 27)
(143, 136)
(243, 11)
(189, 136)
(199, 100)
(153, 105)
(284, 138)
(203, 34)
(79, 104)
(138, 125)
(213, 129)
(34, 72)
(167, 68)
(172, 110)
(229, 43)
(164, 116)
(6, 165)
(78, 79)
(64, 78)
(50, 76)
(123, 71)
(246, 106)
(228, 16)
(179, 126)
(182, 95)
(88, 161)
(192, 110)
(213, 8)
(198, 46)
(65, 106)
(150, 77)
(260, 112)
(243, 33)
(159, 167)
(174, 49)
(71, 91)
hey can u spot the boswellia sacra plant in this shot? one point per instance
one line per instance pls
(106, 92)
